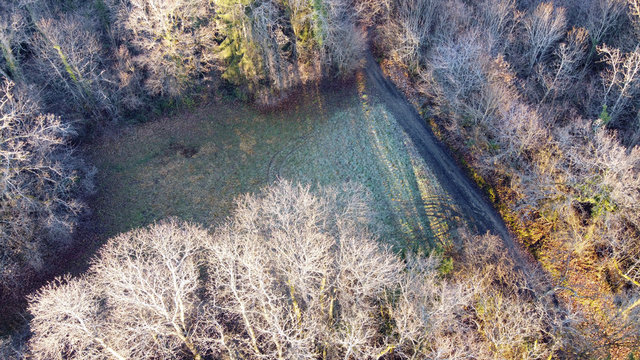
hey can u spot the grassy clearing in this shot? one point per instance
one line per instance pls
(193, 165)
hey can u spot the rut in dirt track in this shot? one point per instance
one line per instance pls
(476, 208)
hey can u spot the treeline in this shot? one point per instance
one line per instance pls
(104, 59)
(41, 181)
(541, 100)
(294, 275)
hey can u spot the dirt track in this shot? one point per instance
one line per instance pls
(476, 208)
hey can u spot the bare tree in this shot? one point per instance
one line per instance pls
(268, 32)
(69, 60)
(603, 17)
(566, 72)
(260, 52)
(620, 173)
(336, 42)
(300, 276)
(509, 324)
(431, 315)
(604, 174)
(242, 57)
(174, 41)
(634, 6)
(12, 34)
(40, 181)
(579, 210)
(457, 75)
(479, 91)
(543, 28)
(461, 66)
(291, 275)
(500, 18)
(138, 301)
(620, 81)
(343, 43)
(411, 23)
(277, 45)
(68, 323)
(14, 345)
(370, 12)
(634, 9)
(152, 277)
(520, 133)
(480, 312)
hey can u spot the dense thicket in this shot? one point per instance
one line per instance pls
(40, 179)
(103, 59)
(271, 46)
(293, 275)
(541, 100)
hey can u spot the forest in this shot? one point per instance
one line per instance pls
(537, 101)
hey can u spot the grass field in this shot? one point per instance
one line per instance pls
(192, 165)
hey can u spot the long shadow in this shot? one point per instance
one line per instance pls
(473, 204)
(399, 177)
(402, 187)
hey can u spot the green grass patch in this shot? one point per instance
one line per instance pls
(192, 165)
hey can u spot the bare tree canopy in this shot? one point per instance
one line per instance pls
(40, 180)
(291, 275)
(540, 98)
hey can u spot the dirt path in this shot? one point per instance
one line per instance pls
(476, 208)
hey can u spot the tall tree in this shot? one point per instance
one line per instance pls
(173, 41)
(40, 180)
